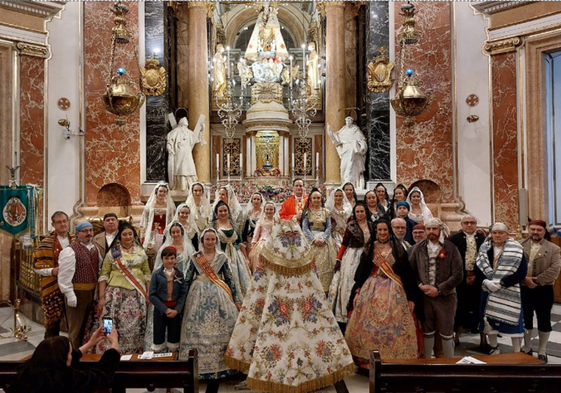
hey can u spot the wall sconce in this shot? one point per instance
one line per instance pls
(67, 133)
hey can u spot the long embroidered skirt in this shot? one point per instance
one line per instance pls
(286, 337)
(381, 321)
(240, 269)
(128, 310)
(340, 289)
(325, 257)
(208, 322)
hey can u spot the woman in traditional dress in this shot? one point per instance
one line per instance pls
(231, 244)
(357, 235)
(227, 195)
(286, 338)
(399, 194)
(199, 203)
(382, 301)
(350, 193)
(177, 237)
(187, 220)
(262, 231)
(340, 210)
(124, 282)
(211, 308)
(372, 207)
(158, 213)
(383, 197)
(252, 215)
(316, 225)
(420, 212)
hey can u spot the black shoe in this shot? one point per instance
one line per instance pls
(530, 352)
(543, 357)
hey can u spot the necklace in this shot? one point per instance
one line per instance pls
(382, 242)
(127, 248)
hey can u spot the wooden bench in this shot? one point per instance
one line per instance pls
(134, 373)
(512, 373)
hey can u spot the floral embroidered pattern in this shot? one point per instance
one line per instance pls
(272, 354)
(309, 307)
(281, 309)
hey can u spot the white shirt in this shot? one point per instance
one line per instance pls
(110, 237)
(67, 266)
(48, 271)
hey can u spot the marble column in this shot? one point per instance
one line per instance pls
(334, 84)
(378, 166)
(198, 81)
(157, 107)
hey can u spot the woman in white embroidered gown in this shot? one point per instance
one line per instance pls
(286, 338)
(420, 212)
(177, 237)
(187, 220)
(253, 213)
(211, 308)
(199, 203)
(227, 195)
(262, 230)
(340, 210)
(158, 213)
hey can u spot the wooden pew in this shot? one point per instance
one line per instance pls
(507, 373)
(134, 374)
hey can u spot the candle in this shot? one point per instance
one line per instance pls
(305, 162)
(217, 162)
(317, 159)
(228, 57)
(291, 83)
(228, 162)
(241, 164)
(293, 168)
(303, 60)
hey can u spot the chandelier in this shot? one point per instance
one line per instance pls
(303, 108)
(229, 110)
(122, 97)
(409, 100)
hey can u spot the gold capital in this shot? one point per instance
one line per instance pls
(502, 46)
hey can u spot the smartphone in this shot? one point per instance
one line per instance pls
(107, 325)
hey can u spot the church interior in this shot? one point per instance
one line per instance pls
(458, 98)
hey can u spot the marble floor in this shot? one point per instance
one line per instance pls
(13, 349)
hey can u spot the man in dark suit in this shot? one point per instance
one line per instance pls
(544, 262)
(468, 241)
(104, 239)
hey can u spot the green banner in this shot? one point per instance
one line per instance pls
(16, 209)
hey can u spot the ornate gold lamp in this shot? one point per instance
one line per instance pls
(409, 100)
(122, 96)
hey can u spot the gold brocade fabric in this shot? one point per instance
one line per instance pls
(471, 252)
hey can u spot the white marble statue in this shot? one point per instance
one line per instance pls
(352, 147)
(313, 70)
(180, 143)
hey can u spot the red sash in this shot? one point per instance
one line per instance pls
(209, 272)
(116, 252)
(383, 265)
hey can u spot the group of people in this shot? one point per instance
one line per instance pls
(295, 298)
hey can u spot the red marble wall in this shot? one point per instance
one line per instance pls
(505, 141)
(112, 152)
(424, 151)
(32, 122)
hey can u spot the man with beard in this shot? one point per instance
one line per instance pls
(468, 241)
(104, 239)
(399, 227)
(77, 279)
(544, 262)
(439, 270)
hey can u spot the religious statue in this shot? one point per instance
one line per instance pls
(180, 143)
(351, 146)
(245, 72)
(313, 70)
(219, 72)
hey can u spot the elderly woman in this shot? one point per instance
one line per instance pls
(211, 308)
(124, 282)
(500, 268)
(372, 207)
(158, 213)
(199, 203)
(232, 245)
(316, 225)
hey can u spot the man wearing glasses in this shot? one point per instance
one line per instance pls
(45, 263)
(468, 241)
(77, 278)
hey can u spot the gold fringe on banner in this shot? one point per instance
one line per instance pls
(308, 386)
(236, 364)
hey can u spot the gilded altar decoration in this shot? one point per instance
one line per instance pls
(153, 78)
(231, 149)
(303, 157)
(379, 73)
(266, 92)
(122, 96)
(409, 34)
